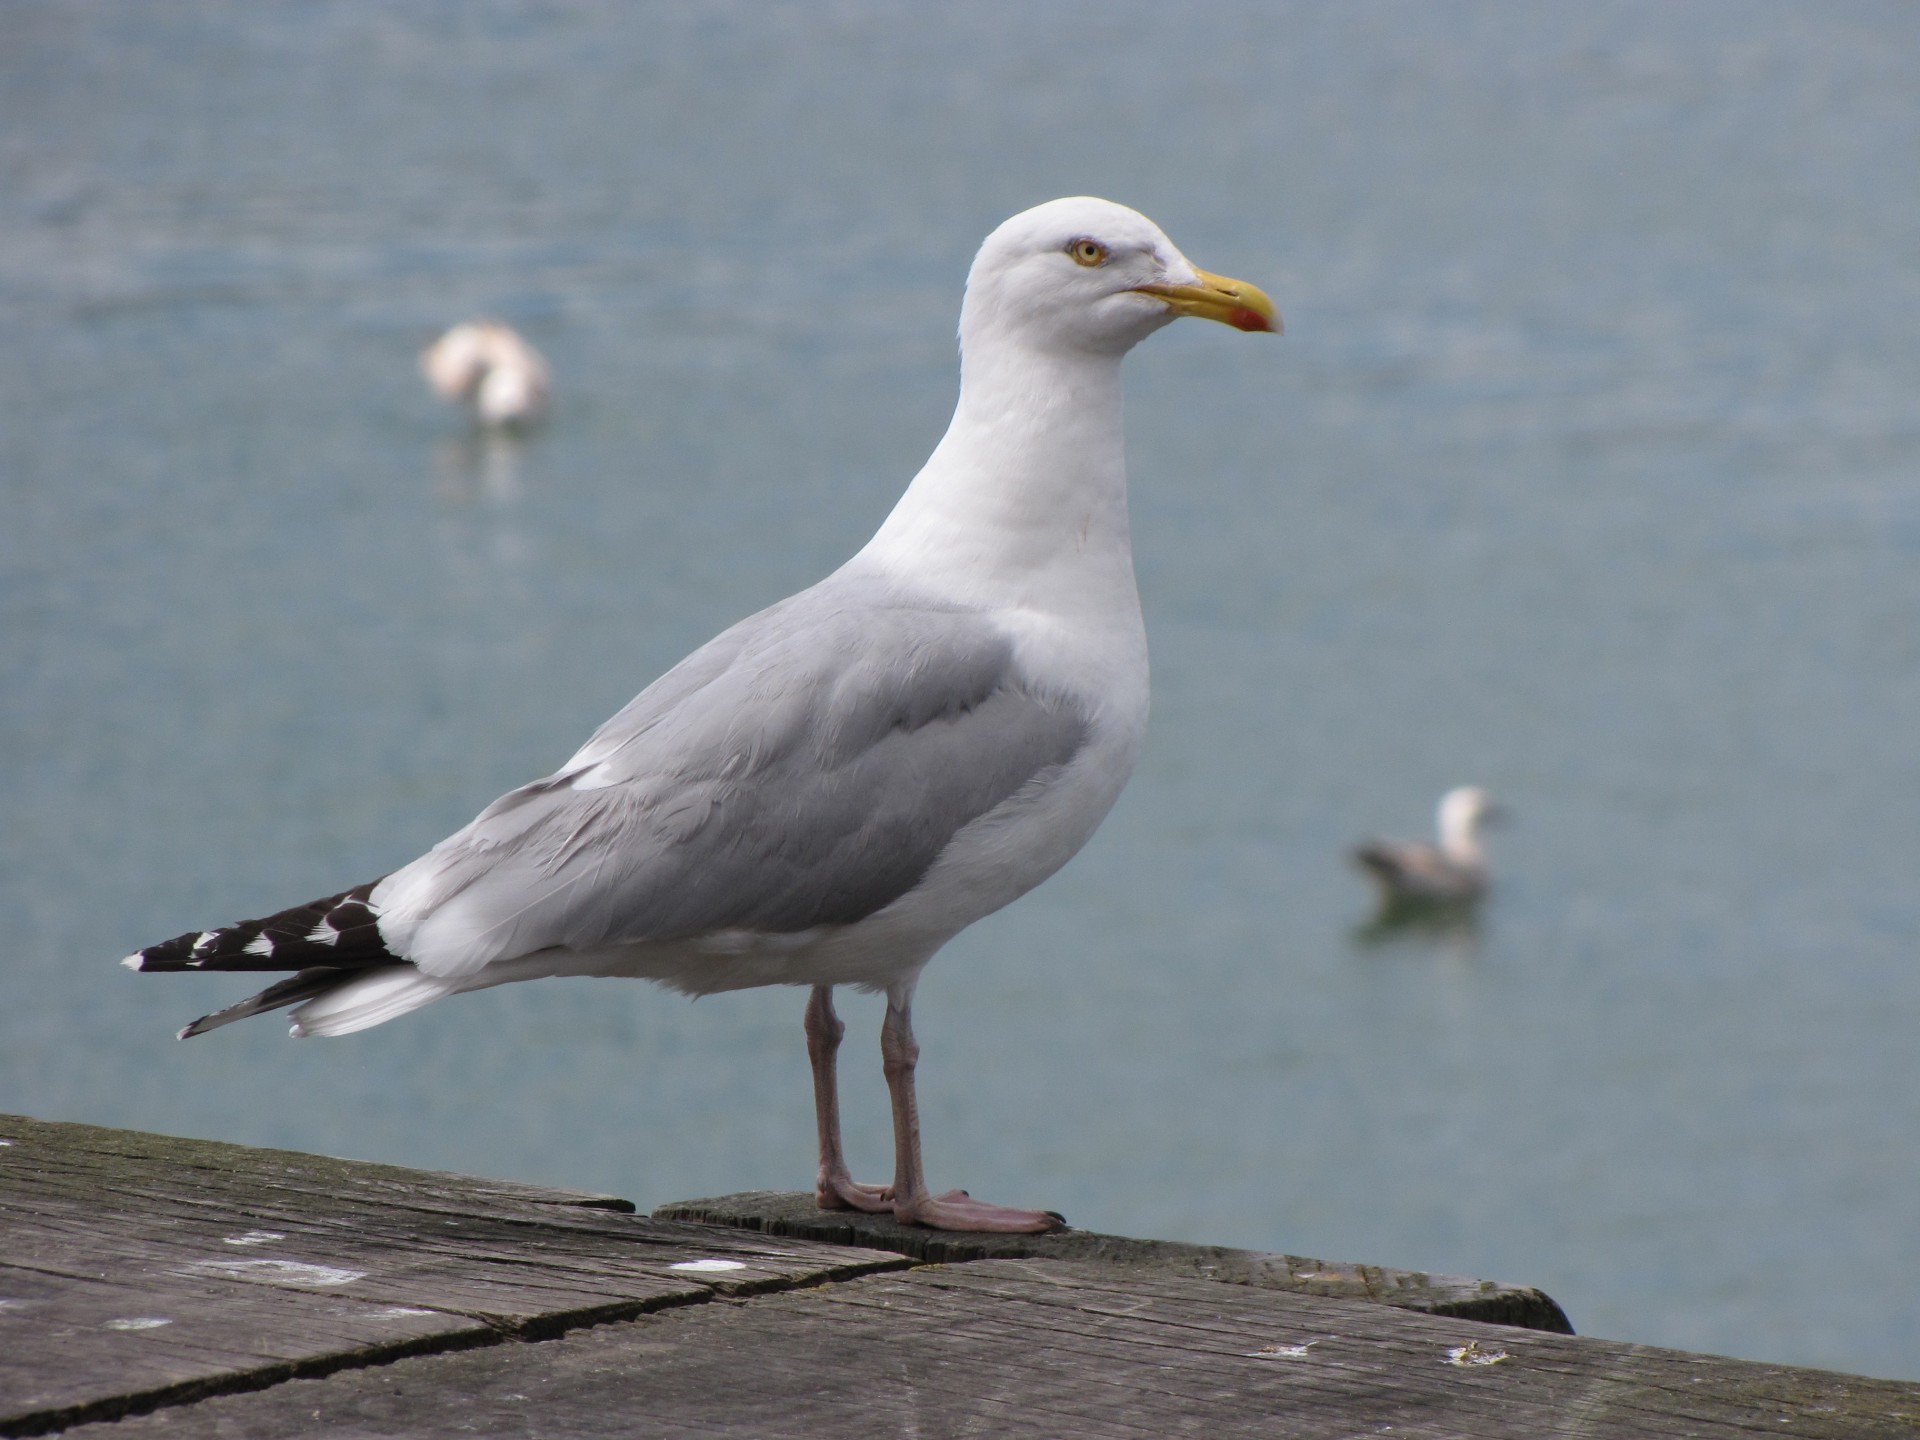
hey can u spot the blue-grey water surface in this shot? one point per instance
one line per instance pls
(1588, 469)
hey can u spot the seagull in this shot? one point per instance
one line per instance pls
(828, 792)
(1454, 872)
(489, 367)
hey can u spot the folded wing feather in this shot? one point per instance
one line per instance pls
(805, 768)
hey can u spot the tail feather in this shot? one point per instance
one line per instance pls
(1379, 859)
(306, 985)
(329, 943)
(339, 932)
(370, 997)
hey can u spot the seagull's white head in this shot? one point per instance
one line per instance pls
(1462, 812)
(1089, 276)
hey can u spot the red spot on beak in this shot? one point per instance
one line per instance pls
(1242, 319)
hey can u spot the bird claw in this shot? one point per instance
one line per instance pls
(950, 1210)
(844, 1193)
(956, 1210)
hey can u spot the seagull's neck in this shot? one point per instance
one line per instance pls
(1024, 502)
(1460, 837)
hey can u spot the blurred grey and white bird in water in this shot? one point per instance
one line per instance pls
(1453, 872)
(491, 369)
(834, 788)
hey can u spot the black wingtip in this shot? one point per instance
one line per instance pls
(215, 1020)
(290, 991)
(338, 932)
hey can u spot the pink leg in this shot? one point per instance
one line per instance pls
(912, 1204)
(835, 1188)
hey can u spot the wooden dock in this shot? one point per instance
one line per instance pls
(179, 1287)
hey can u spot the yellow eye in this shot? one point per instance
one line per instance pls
(1088, 252)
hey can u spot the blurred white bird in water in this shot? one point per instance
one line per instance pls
(487, 366)
(1454, 872)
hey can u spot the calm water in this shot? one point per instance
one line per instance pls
(1589, 470)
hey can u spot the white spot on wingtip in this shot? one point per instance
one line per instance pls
(324, 933)
(136, 1322)
(207, 937)
(707, 1267)
(261, 944)
(133, 961)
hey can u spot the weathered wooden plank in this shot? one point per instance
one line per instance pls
(794, 1214)
(264, 1264)
(88, 1158)
(1049, 1348)
(305, 1296)
(75, 1346)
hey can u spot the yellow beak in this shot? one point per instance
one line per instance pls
(1215, 297)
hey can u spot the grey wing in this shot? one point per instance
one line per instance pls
(1386, 858)
(1411, 870)
(805, 768)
